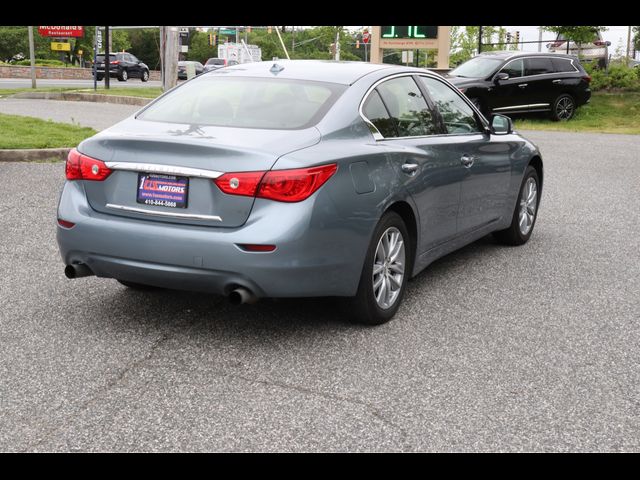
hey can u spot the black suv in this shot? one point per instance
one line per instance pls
(123, 66)
(517, 82)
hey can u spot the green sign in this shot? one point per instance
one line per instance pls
(224, 31)
(415, 32)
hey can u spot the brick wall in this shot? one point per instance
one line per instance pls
(70, 73)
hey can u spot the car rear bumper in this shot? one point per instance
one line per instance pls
(310, 260)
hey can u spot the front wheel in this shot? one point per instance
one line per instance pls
(385, 272)
(525, 213)
(563, 108)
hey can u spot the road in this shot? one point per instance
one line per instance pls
(88, 114)
(534, 348)
(50, 82)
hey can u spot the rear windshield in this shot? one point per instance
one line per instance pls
(100, 57)
(246, 102)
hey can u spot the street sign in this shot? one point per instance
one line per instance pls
(224, 31)
(61, 46)
(366, 36)
(407, 56)
(61, 31)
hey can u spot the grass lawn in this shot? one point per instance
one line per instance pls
(17, 131)
(606, 113)
(146, 92)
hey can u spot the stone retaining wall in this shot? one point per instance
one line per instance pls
(69, 73)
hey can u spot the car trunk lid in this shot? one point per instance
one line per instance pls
(175, 156)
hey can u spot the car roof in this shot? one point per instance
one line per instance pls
(345, 73)
(509, 54)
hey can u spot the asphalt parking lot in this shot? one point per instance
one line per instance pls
(533, 348)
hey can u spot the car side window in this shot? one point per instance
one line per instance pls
(562, 65)
(538, 66)
(133, 59)
(408, 108)
(457, 115)
(377, 114)
(515, 69)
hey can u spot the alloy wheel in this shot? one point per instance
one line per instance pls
(388, 268)
(528, 205)
(564, 108)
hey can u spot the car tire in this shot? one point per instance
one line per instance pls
(137, 286)
(525, 212)
(374, 305)
(99, 78)
(124, 76)
(145, 76)
(563, 109)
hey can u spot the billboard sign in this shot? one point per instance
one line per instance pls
(61, 31)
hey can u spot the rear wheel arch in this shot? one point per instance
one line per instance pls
(536, 162)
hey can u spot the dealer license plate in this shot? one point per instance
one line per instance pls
(163, 190)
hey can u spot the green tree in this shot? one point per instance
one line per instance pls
(636, 38)
(145, 44)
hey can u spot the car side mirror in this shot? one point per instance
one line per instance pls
(500, 76)
(608, 43)
(501, 125)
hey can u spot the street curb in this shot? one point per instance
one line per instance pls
(84, 97)
(34, 154)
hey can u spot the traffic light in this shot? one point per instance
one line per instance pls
(508, 37)
(268, 29)
(211, 39)
(357, 43)
(517, 38)
(248, 29)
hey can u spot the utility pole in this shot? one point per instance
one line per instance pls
(628, 45)
(479, 40)
(107, 59)
(337, 57)
(539, 39)
(169, 56)
(32, 56)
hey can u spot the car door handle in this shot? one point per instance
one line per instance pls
(410, 168)
(467, 160)
(523, 85)
(557, 81)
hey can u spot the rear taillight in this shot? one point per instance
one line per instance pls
(556, 44)
(82, 167)
(599, 43)
(115, 62)
(587, 78)
(280, 185)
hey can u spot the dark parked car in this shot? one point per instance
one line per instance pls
(327, 179)
(123, 66)
(508, 82)
(182, 68)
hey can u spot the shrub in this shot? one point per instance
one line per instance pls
(42, 63)
(617, 77)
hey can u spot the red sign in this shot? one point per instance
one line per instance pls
(60, 31)
(366, 36)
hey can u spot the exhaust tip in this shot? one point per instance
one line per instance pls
(242, 295)
(77, 270)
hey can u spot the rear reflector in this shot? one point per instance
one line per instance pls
(82, 167)
(65, 224)
(250, 247)
(280, 185)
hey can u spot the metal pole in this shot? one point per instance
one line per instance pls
(540, 39)
(32, 56)
(107, 59)
(282, 43)
(628, 45)
(95, 54)
(479, 39)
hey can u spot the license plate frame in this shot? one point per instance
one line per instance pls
(161, 190)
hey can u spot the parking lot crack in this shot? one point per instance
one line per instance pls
(372, 409)
(118, 378)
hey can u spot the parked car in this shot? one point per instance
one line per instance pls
(123, 66)
(329, 179)
(214, 64)
(516, 82)
(595, 51)
(182, 68)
